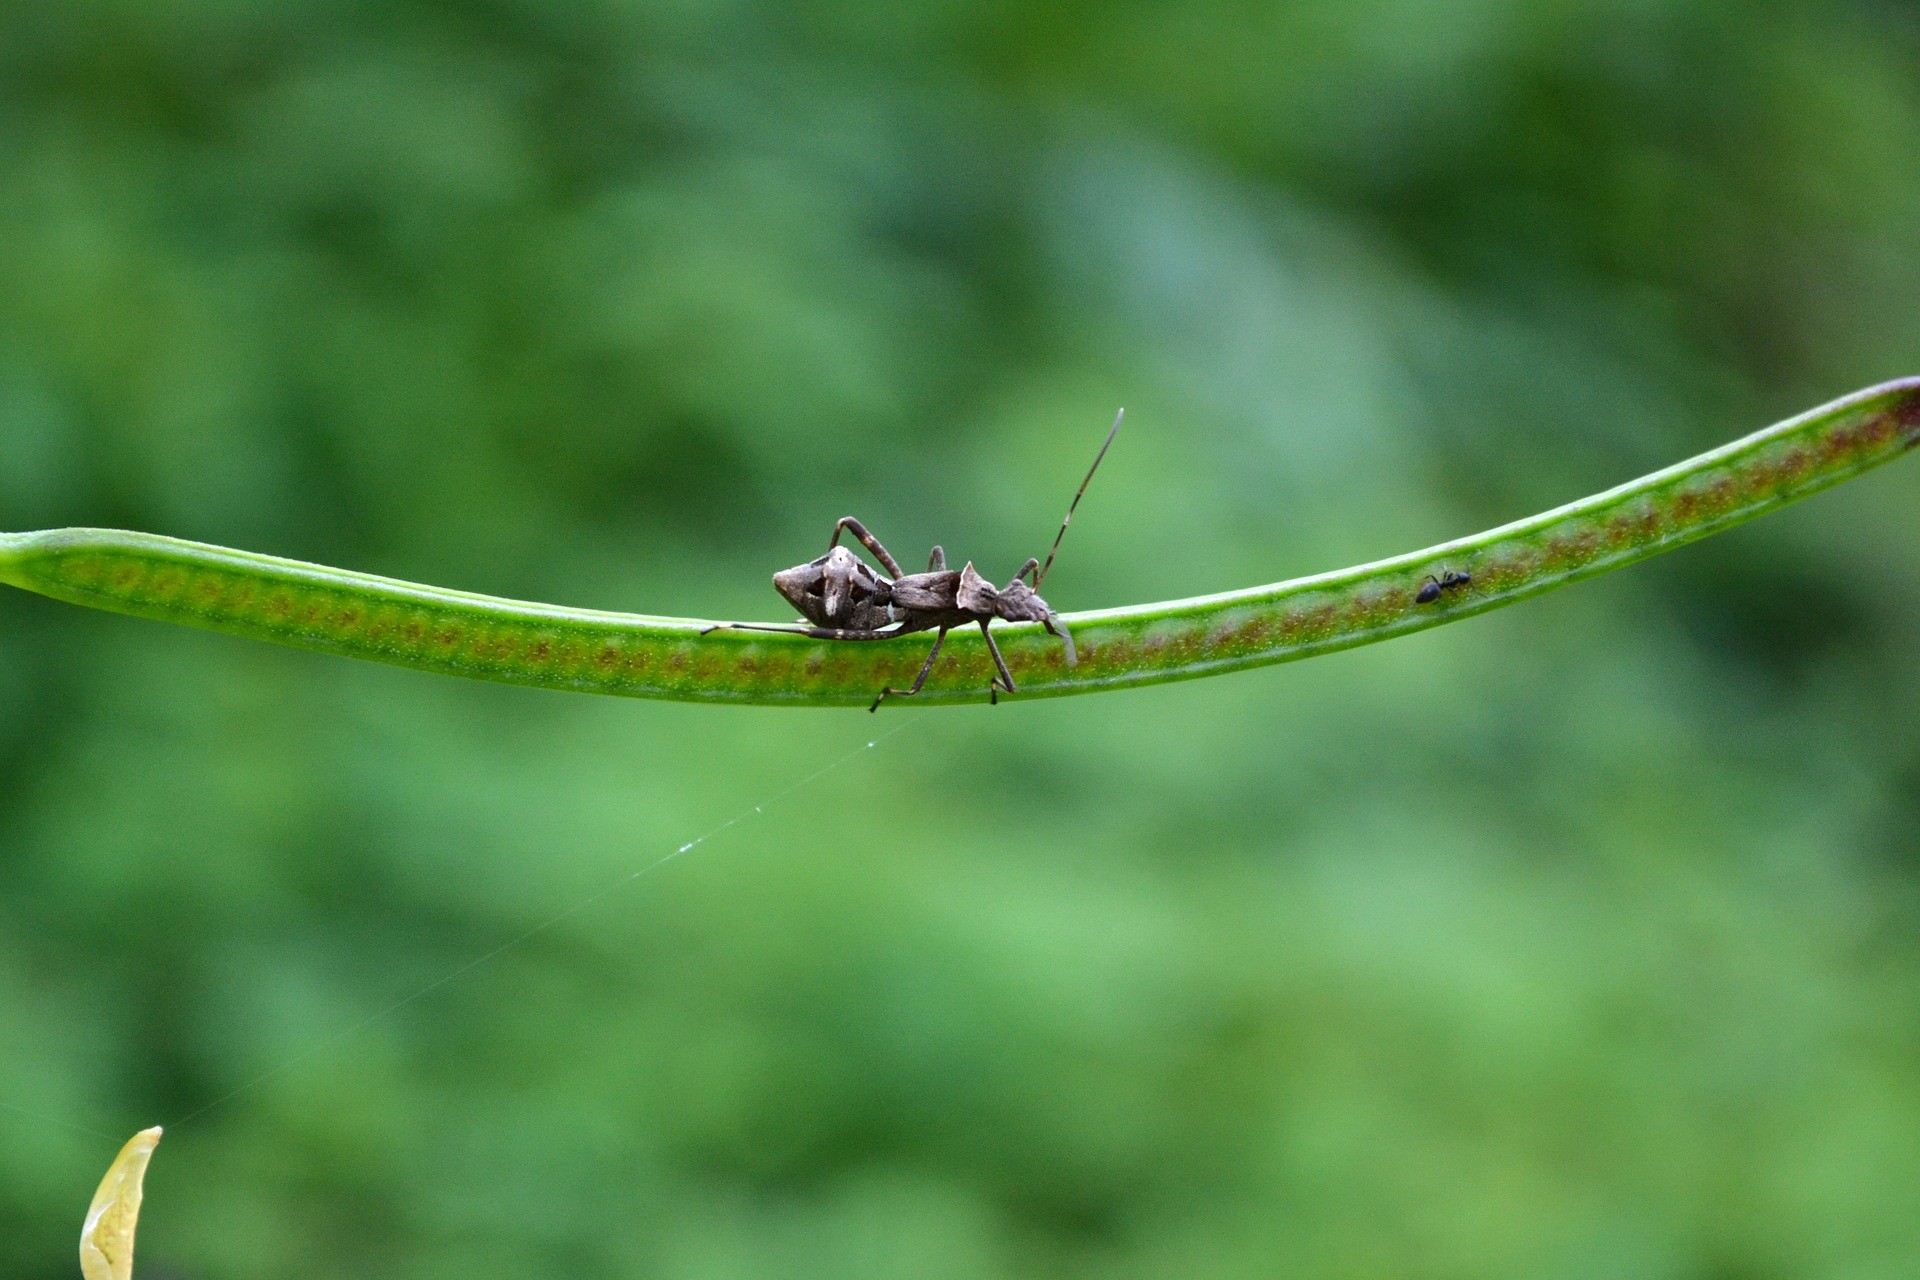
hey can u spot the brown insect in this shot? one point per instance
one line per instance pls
(844, 598)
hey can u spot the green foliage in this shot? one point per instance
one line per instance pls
(1575, 942)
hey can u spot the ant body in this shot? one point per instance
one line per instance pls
(845, 599)
(1433, 588)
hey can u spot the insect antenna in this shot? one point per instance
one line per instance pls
(1055, 549)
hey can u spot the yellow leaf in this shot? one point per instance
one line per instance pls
(106, 1242)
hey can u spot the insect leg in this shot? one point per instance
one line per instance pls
(752, 626)
(918, 680)
(868, 541)
(816, 633)
(1055, 627)
(937, 562)
(1005, 679)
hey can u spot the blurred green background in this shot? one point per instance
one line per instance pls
(1579, 941)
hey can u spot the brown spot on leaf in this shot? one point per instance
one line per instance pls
(1906, 414)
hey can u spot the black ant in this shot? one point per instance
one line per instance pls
(1433, 588)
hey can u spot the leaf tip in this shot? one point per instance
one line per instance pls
(106, 1241)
